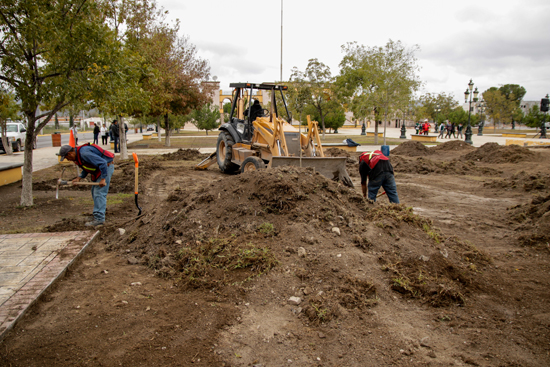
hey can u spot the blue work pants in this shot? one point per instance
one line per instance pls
(99, 194)
(387, 181)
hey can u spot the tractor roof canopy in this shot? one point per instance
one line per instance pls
(265, 86)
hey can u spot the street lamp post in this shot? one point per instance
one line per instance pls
(467, 94)
(481, 108)
(403, 128)
(543, 125)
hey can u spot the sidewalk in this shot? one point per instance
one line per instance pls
(29, 264)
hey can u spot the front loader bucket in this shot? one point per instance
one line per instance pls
(333, 168)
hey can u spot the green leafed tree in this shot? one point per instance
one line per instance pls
(534, 117)
(313, 87)
(499, 108)
(206, 118)
(382, 78)
(427, 106)
(47, 49)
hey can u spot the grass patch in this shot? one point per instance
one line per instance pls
(222, 261)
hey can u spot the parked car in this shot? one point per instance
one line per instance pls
(16, 136)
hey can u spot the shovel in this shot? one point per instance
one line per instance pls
(136, 185)
(61, 182)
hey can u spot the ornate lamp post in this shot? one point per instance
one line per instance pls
(363, 129)
(544, 108)
(481, 108)
(403, 128)
(467, 94)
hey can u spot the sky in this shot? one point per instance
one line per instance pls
(491, 42)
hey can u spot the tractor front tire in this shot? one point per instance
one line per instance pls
(224, 153)
(252, 164)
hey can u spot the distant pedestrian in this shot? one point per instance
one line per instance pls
(447, 129)
(459, 130)
(441, 130)
(104, 135)
(426, 127)
(417, 127)
(97, 130)
(453, 130)
(115, 134)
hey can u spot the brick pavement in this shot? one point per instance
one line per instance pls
(29, 264)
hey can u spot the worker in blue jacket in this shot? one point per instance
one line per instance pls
(99, 163)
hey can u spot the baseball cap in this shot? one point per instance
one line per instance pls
(65, 149)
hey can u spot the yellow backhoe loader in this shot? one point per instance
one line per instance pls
(257, 138)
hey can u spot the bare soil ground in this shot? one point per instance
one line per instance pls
(283, 267)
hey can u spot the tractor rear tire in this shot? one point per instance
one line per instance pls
(252, 164)
(224, 153)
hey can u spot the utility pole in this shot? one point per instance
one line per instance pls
(281, 75)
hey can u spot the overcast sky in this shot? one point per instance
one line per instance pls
(493, 42)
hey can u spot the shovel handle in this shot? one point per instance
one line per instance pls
(136, 160)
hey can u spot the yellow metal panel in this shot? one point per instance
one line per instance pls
(10, 175)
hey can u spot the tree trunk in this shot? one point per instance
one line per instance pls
(71, 120)
(158, 128)
(5, 142)
(56, 122)
(26, 191)
(375, 130)
(167, 128)
(122, 140)
(385, 119)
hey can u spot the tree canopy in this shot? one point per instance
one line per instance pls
(382, 78)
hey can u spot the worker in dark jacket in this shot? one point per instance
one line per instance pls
(255, 111)
(377, 167)
(115, 133)
(99, 163)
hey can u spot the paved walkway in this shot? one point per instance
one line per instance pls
(29, 264)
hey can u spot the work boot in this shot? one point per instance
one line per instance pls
(94, 223)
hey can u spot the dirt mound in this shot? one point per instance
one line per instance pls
(495, 153)
(184, 155)
(426, 166)
(234, 230)
(453, 145)
(336, 152)
(534, 222)
(523, 181)
(412, 149)
(123, 178)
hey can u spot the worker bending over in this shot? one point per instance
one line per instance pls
(99, 164)
(377, 167)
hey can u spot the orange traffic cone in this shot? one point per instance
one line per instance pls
(72, 143)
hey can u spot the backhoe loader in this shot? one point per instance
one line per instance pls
(259, 139)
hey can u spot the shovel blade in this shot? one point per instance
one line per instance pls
(333, 168)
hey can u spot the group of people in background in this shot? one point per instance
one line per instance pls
(449, 129)
(445, 130)
(112, 132)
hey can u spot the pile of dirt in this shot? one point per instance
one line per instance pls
(453, 145)
(183, 155)
(336, 152)
(244, 226)
(522, 181)
(495, 153)
(411, 148)
(534, 221)
(123, 178)
(426, 166)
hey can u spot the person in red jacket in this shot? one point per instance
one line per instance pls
(377, 167)
(426, 127)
